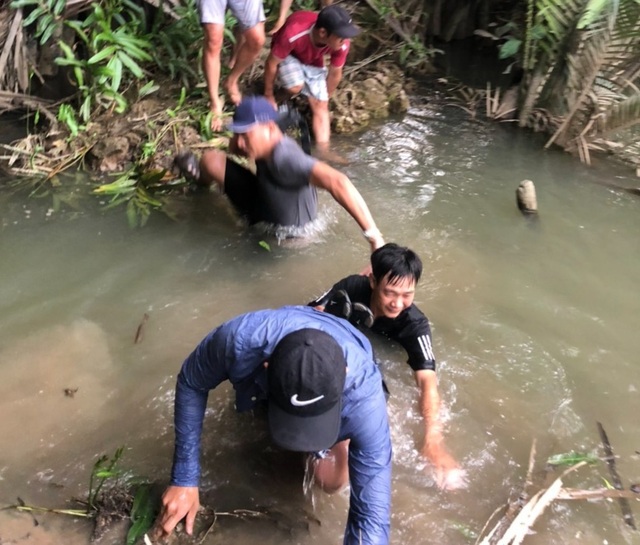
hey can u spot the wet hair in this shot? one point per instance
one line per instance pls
(395, 263)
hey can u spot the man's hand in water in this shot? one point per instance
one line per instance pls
(178, 502)
(447, 473)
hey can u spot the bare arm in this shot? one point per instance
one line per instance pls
(347, 196)
(333, 79)
(285, 6)
(270, 69)
(448, 473)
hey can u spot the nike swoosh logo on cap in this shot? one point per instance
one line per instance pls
(297, 403)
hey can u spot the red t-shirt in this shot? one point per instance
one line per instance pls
(294, 38)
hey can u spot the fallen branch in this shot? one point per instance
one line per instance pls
(627, 515)
(596, 494)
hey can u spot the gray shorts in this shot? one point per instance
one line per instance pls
(292, 73)
(248, 12)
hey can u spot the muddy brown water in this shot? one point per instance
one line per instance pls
(535, 330)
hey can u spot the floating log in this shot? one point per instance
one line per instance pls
(526, 198)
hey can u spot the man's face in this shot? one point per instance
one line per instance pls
(390, 299)
(335, 42)
(256, 142)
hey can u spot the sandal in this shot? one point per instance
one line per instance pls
(361, 315)
(187, 166)
(339, 305)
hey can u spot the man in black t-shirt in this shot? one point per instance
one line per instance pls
(389, 291)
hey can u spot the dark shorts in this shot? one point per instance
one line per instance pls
(241, 187)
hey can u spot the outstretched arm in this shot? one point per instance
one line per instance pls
(448, 474)
(347, 196)
(198, 375)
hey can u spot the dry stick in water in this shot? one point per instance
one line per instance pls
(140, 330)
(627, 515)
(598, 494)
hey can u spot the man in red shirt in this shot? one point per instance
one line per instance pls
(298, 52)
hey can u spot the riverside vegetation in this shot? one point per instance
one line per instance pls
(125, 89)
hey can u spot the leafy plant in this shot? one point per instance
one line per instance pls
(134, 187)
(177, 46)
(104, 469)
(47, 14)
(111, 48)
(414, 53)
(67, 115)
(581, 61)
(572, 458)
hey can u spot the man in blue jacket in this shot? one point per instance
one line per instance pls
(324, 393)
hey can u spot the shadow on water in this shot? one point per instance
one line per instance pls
(534, 330)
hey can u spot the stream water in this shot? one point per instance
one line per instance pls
(534, 328)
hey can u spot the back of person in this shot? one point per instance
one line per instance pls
(285, 196)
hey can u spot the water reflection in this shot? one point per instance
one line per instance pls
(534, 331)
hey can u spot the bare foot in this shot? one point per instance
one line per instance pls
(216, 117)
(233, 91)
(217, 123)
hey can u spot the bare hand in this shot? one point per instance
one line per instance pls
(277, 26)
(447, 473)
(177, 502)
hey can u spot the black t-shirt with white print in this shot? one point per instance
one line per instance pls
(410, 329)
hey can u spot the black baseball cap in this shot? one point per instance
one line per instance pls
(306, 377)
(337, 20)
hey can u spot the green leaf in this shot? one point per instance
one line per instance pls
(102, 55)
(509, 48)
(106, 473)
(115, 65)
(143, 513)
(607, 484)
(148, 88)
(132, 215)
(79, 75)
(33, 16)
(265, 245)
(47, 34)
(23, 3)
(79, 30)
(130, 64)
(145, 198)
(183, 97)
(85, 109)
(592, 12)
(59, 6)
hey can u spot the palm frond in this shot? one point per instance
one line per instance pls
(622, 115)
(550, 26)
